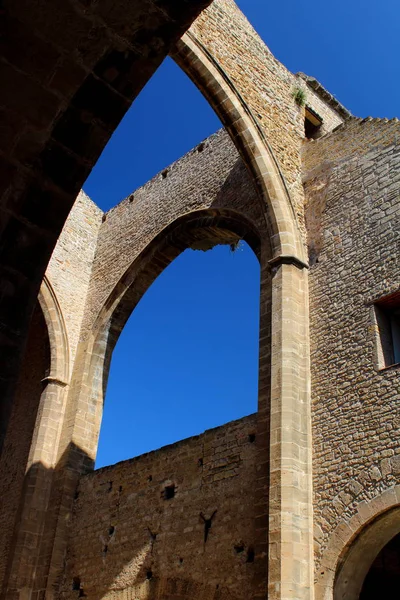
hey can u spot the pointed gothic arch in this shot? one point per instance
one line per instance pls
(250, 140)
(284, 376)
(59, 347)
(199, 229)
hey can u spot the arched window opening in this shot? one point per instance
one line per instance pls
(187, 358)
(167, 119)
(382, 580)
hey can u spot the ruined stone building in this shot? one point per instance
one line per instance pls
(298, 501)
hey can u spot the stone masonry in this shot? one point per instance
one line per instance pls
(201, 521)
(293, 503)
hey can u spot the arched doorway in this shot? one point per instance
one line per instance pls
(370, 566)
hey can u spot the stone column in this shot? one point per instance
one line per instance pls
(261, 492)
(24, 576)
(290, 497)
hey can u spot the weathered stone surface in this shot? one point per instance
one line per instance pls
(330, 419)
(352, 186)
(125, 526)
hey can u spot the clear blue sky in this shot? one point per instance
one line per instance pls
(187, 359)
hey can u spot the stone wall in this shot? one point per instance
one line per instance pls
(354, 138)
(129, 539)
(352, 183)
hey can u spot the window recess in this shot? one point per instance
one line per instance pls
(387, 319)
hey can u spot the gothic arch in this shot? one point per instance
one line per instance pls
(354, 545)
(284, 374)
(200, 230)
(75, 107)
(80, 119)
(59, 348)
(286, 504)
(224, 97)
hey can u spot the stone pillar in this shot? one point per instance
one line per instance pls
(260, 587)
(25, 577)
(290, 497)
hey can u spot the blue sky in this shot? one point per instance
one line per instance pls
(187, 358)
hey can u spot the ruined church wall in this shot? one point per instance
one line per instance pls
(352, 185)
(128, 541)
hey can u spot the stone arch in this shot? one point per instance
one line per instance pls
(59, 347)
(355, 544)
(284, 367)
(200, 230)
(224, 97)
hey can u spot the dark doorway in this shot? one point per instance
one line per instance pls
(383, 578)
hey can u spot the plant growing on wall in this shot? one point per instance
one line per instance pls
(299, 96)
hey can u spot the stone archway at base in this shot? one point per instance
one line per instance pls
(355, 566)
(354, 546)
(384, 574)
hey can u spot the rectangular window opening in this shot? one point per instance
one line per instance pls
(169, 492)
(387, 319)
(312, 124)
